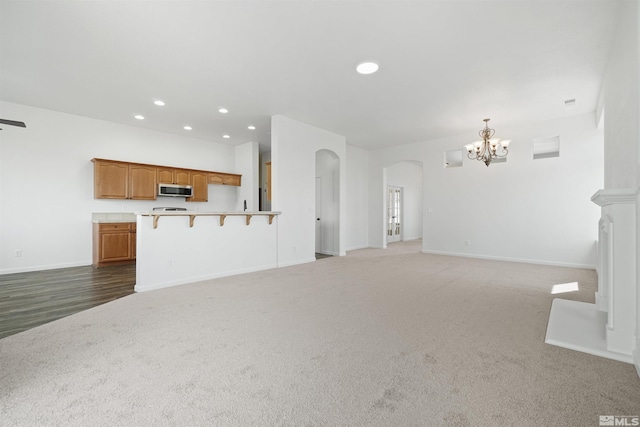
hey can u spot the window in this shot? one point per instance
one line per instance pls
(453, 159)
(544, 148)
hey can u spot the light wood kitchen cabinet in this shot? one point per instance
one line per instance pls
(120, 180)
(200, 184)
(114, 243)
(173, 176)
(216, 178)
(114, 179)
(225, 178)
(268, 180)
(142, 182)
(110, 180)
(232, 180)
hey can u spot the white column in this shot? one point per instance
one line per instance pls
(617, 267)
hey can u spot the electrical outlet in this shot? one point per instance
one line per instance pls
(169, 263)
(18, 252)
(467, 243)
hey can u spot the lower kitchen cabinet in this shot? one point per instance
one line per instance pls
(114, 243)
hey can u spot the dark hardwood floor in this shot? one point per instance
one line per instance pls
(31, 299)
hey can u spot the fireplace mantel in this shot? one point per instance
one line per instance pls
(612, 196)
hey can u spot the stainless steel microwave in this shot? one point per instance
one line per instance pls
(175, 190)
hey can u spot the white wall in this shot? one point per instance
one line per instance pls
(293, 155)
(525, 210)
(408, 176)
(247, 163)
(622, 137)
(636, 53)
(357, 208)
(46, 181)
(621, 108)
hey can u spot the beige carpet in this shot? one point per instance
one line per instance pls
(379, 337)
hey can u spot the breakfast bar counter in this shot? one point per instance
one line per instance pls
(179, 247)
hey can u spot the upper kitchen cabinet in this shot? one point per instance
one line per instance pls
(200, 184)
(110, 180)
(119, 180)
(225, 178)
(168, 175)
(142, 182)
(114, 179)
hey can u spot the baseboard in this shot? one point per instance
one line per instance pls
(636, 357)
(44, 267)
(355, 248)
(523, 260)
(302, 261)
(331, 253)
(197, 279)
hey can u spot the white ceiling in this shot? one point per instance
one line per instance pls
(444, 65)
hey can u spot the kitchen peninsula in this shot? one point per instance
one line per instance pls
(175, 248)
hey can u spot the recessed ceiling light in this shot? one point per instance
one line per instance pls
(159, 103)
(252, 127)
(226, 136)
(223, 110)
(367, 67)
(187, 128)
(139, 117)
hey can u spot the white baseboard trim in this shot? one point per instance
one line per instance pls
(44, 267)
(355, 248)
(202, 278)
(497, 258)
(291, 263)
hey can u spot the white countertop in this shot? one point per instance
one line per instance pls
(111, 217)
(179, 213)
(106, 217)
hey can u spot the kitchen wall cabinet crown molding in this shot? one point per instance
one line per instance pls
(115, 179)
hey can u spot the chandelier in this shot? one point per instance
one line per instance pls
(487, 149)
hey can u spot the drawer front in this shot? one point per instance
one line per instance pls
(116, 226)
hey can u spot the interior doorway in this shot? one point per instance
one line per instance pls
(327, 209)
(394, 214)
(402, 195)
(318, 215)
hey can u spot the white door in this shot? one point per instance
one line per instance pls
(318, 213)
(394, 214)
